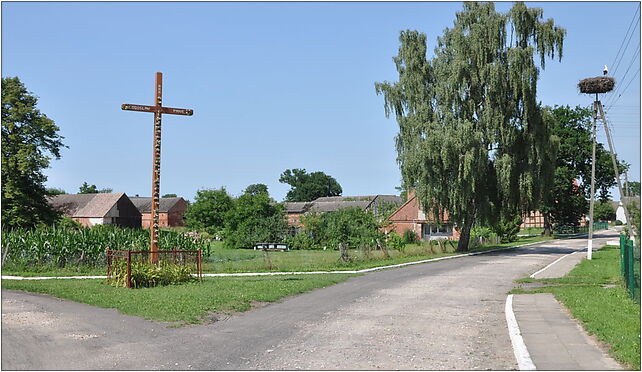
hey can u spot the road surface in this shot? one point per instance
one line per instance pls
(437, 316)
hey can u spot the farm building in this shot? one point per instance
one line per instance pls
(98, 209)
(532, 219)
(372, 203)
(170, 211)
(410, 216)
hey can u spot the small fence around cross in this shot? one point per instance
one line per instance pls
(630, 267)
(563, 230)
(126, 268)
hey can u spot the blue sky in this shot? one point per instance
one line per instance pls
(272, 85)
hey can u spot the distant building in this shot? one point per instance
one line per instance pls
(410, 216)
(170, 211)
(532, 219)
(371, 203)
(98, 209)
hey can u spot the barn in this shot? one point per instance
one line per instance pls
(98, 209)
(170, 211)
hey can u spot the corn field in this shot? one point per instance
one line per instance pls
(86, 246)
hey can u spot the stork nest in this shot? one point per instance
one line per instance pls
(600, 84)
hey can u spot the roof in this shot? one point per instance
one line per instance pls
(85, 205)
(344, 198)
(331, 206)
(144, 204)
(297, 207)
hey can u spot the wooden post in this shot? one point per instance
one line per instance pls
(158, 110)
(129, 269)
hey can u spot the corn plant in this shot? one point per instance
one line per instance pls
(55, 246)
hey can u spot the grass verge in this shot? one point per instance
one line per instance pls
(224, 260)
(595, 295)
(187, 303)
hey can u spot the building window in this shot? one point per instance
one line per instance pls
(436, 231)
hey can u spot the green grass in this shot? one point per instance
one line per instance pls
(186, 303)
(246, 260)
(224, 260)
(594, 293)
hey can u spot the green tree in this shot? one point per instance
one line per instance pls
(353, 227)
(603, 211)
(472, 139)
(566, 203)
(51, 191)
(85, 188)
(307, 187)
(255, 218)
(256, 188)
(29, 140)
(169, 196)
(209, 209)
(632, 188)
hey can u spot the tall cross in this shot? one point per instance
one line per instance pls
(158, 110)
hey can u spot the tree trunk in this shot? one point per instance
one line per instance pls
(383, 249)
(547, 225)
(464, 238)
(344, 252)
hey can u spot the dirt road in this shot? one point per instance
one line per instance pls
(442, 315)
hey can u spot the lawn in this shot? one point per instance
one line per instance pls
(594, 293)
(224, 260)
(184, 304)
(241, 260)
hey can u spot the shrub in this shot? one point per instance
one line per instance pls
(618, 223)
(507, 228)
(300, 241)
(394, 241)
(145, 274)
(410, 237)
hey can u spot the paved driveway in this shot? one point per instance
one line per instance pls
(442, 315)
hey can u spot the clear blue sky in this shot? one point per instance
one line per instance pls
(273, 86)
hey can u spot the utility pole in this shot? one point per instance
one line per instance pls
(589, 251)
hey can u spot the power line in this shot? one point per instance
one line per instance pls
(613, 97)
(625, 35)
(627, 43)
(626, 87)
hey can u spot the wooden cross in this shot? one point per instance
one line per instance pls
(158, 110)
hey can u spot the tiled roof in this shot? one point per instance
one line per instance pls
(85, 205)
(331, 206)
(144, 204)
(297, 207)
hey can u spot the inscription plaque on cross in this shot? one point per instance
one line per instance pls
(158, 110)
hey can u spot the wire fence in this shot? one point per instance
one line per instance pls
(630, 267)
(562, 229)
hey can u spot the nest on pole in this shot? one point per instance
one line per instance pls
(600, 84)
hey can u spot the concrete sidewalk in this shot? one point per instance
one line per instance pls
(554, 340)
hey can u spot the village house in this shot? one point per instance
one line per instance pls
(170, 211)
(410, 216)
(98, 209)
(371, 203)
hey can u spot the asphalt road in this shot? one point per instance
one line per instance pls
(442, 315)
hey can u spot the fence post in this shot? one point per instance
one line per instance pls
(623, 256)
(631, 275)
(129, 269)
(200, 266)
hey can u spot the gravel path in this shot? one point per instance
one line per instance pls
(442, 315)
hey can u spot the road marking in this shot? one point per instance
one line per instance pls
(524, 361)
(551, 264)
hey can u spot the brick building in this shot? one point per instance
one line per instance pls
(410, 216)
(98, 209)
(170, 211)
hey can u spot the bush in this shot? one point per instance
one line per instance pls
(394, 241)
(508, 228)
(410, 237)
(145, 274)
(300, 241)
(618, 223)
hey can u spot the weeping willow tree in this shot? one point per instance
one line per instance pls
(472, 138)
